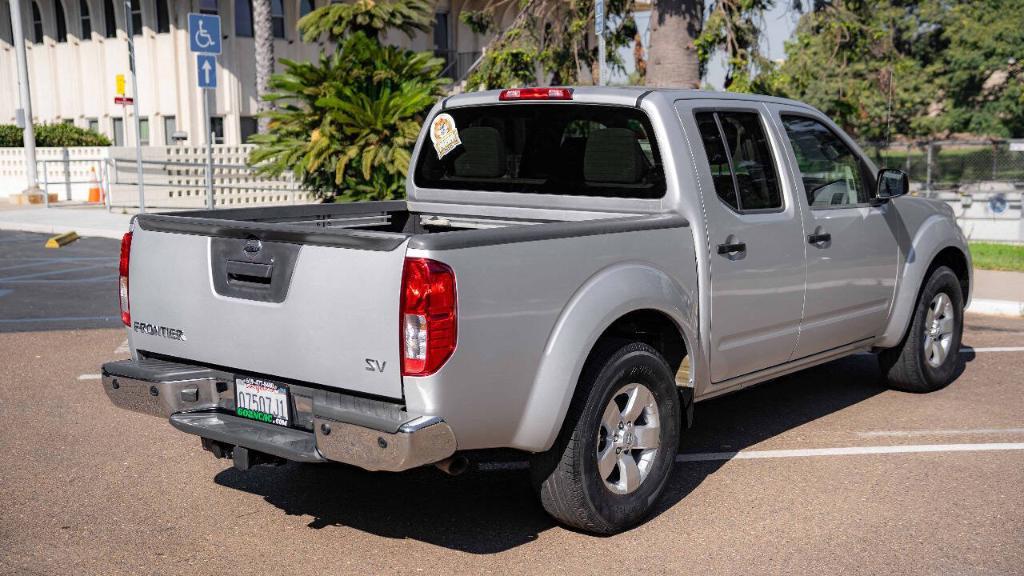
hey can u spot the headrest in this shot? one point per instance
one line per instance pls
(613, 155)
(483, 153)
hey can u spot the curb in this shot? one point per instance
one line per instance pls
(996, 307)
(62, 229)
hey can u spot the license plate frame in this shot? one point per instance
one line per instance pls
(262, 400)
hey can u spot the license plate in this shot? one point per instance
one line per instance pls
(261, 400)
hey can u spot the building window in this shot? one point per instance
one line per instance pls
(163, 17)
(62, 22)
(136, 17)
(217, 127)
(170, 127)
(93, 124)
(117, 128)
(144, 131)
(247, 127)
(109, 19)
(37, 24)
(6, 34)
(208, 7)
(305, 7)
(83, 7)
(243, 18)
(68, 121)
(277, 17)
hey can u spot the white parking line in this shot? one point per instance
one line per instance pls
(905, 433)
(90, 377)
(804, 453)
(968, 349)
(848, 451)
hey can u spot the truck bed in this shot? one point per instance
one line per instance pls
(386, 225)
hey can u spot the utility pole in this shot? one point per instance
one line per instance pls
(135, 93)
(25, 95)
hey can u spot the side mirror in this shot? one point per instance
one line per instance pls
(891, 183)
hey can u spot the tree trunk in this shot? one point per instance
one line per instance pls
(263, 34)
(672, 59)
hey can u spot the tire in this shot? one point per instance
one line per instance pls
(602, 425)
(929, 356)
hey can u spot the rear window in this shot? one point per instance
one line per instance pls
(566, 149)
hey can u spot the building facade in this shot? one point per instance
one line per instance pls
(76, 48)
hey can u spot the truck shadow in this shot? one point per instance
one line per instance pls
(485, 512)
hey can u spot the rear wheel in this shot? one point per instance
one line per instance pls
(929, 357)
(618, 444)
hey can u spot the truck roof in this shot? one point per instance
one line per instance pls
(629, 95)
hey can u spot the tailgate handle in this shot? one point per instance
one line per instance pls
(249, 272)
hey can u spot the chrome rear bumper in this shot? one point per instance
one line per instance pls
(366, 433)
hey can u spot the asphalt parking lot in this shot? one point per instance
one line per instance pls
(824, 471)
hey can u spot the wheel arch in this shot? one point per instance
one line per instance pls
(628, 299)
(941, 243)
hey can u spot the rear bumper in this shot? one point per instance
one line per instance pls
(366, 433)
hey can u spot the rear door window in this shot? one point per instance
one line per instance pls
(564, 149)
(741, 161)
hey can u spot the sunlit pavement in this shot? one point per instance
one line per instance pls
(821, 472)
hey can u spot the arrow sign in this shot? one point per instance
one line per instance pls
(206, 70)
(204, 33)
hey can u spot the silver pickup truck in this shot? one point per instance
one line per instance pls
(572, 271)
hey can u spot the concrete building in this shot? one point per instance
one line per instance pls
(77, 47)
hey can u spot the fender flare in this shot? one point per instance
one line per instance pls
(605, 297)
(933, 236)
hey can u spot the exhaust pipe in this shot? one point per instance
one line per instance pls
(454, 465)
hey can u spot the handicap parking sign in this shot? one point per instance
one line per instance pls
(204, 33)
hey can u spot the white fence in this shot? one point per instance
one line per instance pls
(173, 176)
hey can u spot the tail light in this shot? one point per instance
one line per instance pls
(535, 94)
(429, 319)
(122, 281)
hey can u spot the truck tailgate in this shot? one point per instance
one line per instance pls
(319, 314)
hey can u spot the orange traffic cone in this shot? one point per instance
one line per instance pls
(95, 192)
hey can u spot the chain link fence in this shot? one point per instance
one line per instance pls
(950, 165)
(983, 180)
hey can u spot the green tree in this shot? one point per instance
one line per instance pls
(983, 74)
(548, 42)
(911, 68)
(346, 123)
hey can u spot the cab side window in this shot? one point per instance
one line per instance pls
(833, 175)
(741, 161)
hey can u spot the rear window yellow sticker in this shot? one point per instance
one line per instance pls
(444, 134)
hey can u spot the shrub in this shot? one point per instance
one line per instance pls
(52, 135)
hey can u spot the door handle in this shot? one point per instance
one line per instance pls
(733, 248)
(249, 272)
(819, 238)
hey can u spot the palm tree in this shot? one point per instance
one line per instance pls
(673, 60)
(263, 33)
(345, 124)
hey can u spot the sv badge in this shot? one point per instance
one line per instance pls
(375, 365)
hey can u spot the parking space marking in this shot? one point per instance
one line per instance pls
(905, 433)
(89, 376)
(847, 451)
(123, 348)
(804, 453)
(968, 349)
(56, 319)
(23, 277)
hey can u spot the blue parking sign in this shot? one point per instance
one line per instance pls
(206, 68)
(204, 33)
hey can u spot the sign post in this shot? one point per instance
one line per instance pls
(204, 40)
(599, 32)
(135, 103)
